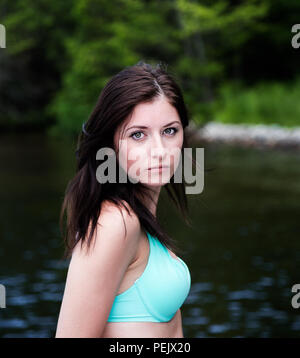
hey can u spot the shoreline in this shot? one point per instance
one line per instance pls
(259, 136)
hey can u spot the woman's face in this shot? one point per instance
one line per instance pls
(159, 142)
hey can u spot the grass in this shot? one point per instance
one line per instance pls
(269, 103)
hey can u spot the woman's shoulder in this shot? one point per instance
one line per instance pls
(115, 227)
(118, 215)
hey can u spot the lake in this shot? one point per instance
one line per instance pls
(243, 249)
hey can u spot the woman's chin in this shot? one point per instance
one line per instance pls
(158, 180)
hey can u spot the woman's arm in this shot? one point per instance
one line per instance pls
(93, 279)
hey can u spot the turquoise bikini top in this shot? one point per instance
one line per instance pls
(158, 293)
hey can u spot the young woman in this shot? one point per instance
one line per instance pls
(124, 279)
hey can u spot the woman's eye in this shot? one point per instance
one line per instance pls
(175, 130)
(133, 134)
(137, 135)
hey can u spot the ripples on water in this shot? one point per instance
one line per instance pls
(243, 252)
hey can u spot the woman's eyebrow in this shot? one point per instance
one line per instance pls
(144, 127)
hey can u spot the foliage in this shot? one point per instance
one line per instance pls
(60, 54)
(266, 103)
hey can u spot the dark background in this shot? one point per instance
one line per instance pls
(235, 63)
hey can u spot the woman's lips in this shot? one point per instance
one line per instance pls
(160, 167)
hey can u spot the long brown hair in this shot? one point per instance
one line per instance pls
(84, 194)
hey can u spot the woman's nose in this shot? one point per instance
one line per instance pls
(158, 149)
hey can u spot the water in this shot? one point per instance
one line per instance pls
(243, 251)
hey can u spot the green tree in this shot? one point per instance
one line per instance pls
(33, 60)
(111, 36)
